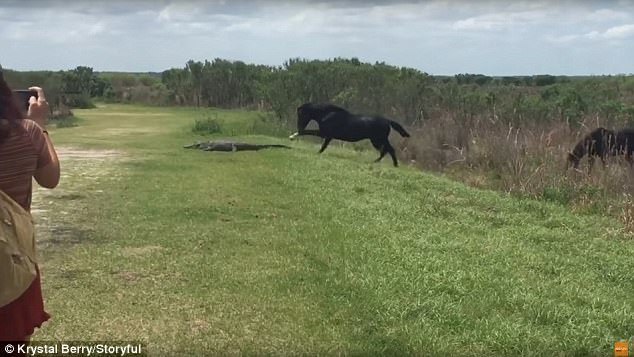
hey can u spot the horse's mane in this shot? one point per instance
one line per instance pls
(333, 108)
(324, 107)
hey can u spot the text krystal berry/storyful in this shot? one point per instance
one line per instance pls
(80, 349)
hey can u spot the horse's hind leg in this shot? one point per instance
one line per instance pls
(628, 158)
(325, 145)
(385, 149)
(390, 150)
(380, 147)
(383, 152)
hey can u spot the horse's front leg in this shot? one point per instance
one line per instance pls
(590, 164)
(305, 132)
(325, 144)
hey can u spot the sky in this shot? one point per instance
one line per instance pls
(440, 37)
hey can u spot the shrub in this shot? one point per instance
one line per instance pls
(81, 101)
(269, 124)
(66, 122)
(207, 126)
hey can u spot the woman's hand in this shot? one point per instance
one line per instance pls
(38, 108)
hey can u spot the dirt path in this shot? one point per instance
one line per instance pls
(58, 212)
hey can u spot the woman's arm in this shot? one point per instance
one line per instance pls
(47, 175)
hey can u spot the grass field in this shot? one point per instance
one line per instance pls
(287, 252)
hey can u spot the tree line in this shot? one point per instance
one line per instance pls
(407, 94)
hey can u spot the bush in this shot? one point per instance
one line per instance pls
(81, 101)
(269, 124)
(66, 122)
(207, 126)
(563, 195)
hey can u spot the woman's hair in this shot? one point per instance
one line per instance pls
(9, 111)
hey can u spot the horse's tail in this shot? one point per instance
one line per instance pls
(399, 128)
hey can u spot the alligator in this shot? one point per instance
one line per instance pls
(231, 146)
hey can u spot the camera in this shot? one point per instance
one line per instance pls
(22, 97)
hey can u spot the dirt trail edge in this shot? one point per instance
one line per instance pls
(59, 213)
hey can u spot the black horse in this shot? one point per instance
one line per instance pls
(625, 144)
(602, 143)
(337, 123)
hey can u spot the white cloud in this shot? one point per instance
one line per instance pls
(178, 12)
(619, 32)
(296, 22)
(438, 36)
(562, 39)
(603, 15)
(350, 23)
(474, 23)
(614, 33)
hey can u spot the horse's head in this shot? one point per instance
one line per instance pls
(303, 116)
(572, 160)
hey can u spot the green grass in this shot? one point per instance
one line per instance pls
(289, 252)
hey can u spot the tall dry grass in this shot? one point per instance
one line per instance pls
(526, 160)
